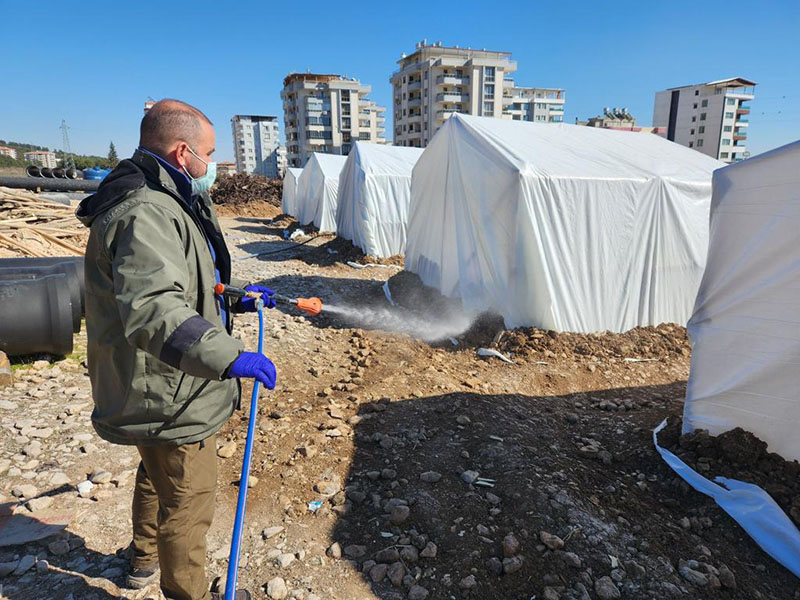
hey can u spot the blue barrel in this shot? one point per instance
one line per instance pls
(95, 173)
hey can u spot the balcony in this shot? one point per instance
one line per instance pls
(451, 97)
(743, 110)
(316, 141)
(415, 118)
(742, 123)
(451, 80)
(446, 113)
(414, 85)
(738, 137)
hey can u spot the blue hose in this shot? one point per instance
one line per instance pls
(238, 522)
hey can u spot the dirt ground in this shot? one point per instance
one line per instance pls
(438, 474)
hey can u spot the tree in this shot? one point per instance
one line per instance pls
(113, 159)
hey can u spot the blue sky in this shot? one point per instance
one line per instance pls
(95, 66)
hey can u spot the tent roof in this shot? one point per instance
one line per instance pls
(383, 159)
(330, 164)
(294, 171)
(575, 151)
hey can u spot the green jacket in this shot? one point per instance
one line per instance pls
(158, 351)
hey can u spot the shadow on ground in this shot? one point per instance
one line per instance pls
(556, 464)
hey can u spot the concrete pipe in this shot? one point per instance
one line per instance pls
(35, 316)
(55, 185)
(59, 173)
(28, 263)
(33, 171)
(46, 172)
(72, 173)
(70, 270)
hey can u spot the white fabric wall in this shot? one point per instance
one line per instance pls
(289, 195)
(745, 328)
(560, 226)
(316, 191)
(374, 195)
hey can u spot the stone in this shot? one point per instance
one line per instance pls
(7, 568)
(417, 592)
(252, 481)
(326, 488)
(550, 593)
(512, 565)
(271, 532)
(25, 564)
(692, 576)
(409, 554)
(42, 433)
(429, 551)
(25, 490)
(469, 476)
(378, 572)
(58, 479)
(510, 545)
(334, 550)
(285, 559)
(571, 418)
(58, 547)
(226, 451)
(100, 476)
(276, 589)
(396, 572)
(571, 560)
(606, 589)
(85, 489)
(553, 542)
(5, 370)
(430, 476)
(355, 551)
(726, 577)
(33, 449)
(388, 555)
(42, 566)
(495, 566)
(40, 503)
(399, 514)
(468, 582)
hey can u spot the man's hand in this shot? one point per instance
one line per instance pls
(248, 304)
(255, 365)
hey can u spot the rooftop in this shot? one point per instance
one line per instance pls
(314, 78)
(438, 48)
(732, 82)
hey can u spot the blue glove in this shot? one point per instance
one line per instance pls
(248, 304)
(255, 365)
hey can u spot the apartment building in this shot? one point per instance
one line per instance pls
(6, 151)
(436, 81)
(542, 105)
(709, 117)
(327, 113)
(226, 168)
(620, 119)
(43, 158)
(256, 145)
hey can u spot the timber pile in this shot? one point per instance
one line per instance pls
(33, 226)
(242, 188)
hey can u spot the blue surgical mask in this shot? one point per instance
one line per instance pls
(204, 183)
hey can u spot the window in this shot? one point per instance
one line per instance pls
(488, 107)
(702, 116)
(727, 128)
(694, 119)
(699, 143)
(691, 144)
(697, 92)
(701, 129)
(704, 103)
(723, 155)
(731, 101)
(691, 132)
(726, 142)
(488, 90)
(728, 115)
(489, 73)
(694, 105)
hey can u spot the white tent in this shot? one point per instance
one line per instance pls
(560, 226)
(316, 191)
(374, 194)
(289, 195)
(745, 328)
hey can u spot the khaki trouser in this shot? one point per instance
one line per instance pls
(173, 505)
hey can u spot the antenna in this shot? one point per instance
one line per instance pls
(68, 161)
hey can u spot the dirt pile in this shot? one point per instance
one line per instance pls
(738, 454)
(242, 188)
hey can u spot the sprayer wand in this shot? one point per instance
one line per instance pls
(312, 306)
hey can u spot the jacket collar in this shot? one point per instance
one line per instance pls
(157, 170)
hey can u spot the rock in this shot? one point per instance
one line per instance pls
(468, 582)
(726, 577)
(100, 476)
(606, 589)
(271, 532)
(550, 593)
(307, 450)
(85, 489)
(396, 572)
(334, 550)
(25, 490)
(276, 589)
(355, 551)
(58, 479)
(6, 568)
(417, 592)
(571, 418)
(42, 433)
(326, 488)
(553, 542)
(40, 503)
(388, 555)
(429, 551)
(469, 476)
(409, 554)
(495, 566)
(571, 559)
(430, 476)
(512, 565)
(58, 547)
(33, 449)
(5, 371)
(226, 451)
(510, 545)
(378, 572)
(285, 559)
(42, 566)
(399, 514)
(252, 481)
(692, 576)
(25, 564)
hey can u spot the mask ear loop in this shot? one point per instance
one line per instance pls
(189, 148)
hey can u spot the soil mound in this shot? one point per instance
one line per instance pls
(242, 188)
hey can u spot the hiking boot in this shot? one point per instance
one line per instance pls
(240, 595)
(140, 578)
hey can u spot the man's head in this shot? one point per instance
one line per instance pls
(176, 131)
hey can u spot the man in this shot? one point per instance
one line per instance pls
(162, 362)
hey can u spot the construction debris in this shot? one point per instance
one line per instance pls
(35, 226)
(242, 188)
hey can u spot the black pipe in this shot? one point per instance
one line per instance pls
(56, 185)
(33, 171)
(58, 173)
(36, 316)
(28, 263)
(70, 269)
(46, 172)
(72, 173)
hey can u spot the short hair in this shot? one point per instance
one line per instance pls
(169, 121)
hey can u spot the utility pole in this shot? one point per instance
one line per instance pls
(69, 161)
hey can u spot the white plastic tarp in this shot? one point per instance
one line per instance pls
(559, 226)
(745, 328)
(289, 195)
(316, 191)
(374, 194)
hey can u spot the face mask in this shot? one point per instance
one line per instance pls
(204, 183)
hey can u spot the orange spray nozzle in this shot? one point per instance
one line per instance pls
(313, 306)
